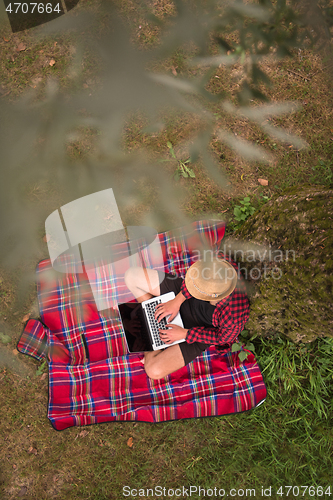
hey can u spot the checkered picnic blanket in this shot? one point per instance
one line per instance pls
(93, 378)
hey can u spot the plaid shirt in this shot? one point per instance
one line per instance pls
(229, 317)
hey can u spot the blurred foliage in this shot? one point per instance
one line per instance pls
(34, 132)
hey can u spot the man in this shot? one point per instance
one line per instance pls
(213, 305)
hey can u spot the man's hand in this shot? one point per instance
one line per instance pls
(173, 333)
(170, 308)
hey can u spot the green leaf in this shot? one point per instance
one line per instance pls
(237, 211)
(41, 368)
(171, 149)
(189, 171)
(236, 347)
(5, 339)
(247, 198)
(250, 346)
(243, 355)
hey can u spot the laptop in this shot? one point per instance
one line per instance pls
(140, 326)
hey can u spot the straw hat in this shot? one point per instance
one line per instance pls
(212, 280)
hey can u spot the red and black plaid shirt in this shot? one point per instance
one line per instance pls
(229, 317)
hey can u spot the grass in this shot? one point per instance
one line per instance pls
(288, 439)
(227, 452)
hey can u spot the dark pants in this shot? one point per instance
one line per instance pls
(172, 283)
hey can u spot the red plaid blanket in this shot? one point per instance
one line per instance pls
(93, 379)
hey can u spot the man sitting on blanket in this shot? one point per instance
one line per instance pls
(214, 311)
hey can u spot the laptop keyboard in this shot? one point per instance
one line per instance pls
(154, 324)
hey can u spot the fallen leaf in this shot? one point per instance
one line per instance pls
(6, 39)
(32, 450)
(43, 376)
(242, 177)
(174, 71)
(52, 62)
(20, 47)
(23, 491)
(55, 43)
(12, 58)
(25, 318)
(130, 442)
(15, 352)
(263, 182)
(84, 433)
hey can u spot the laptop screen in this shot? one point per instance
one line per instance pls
(135, 328)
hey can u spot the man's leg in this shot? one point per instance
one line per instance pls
(143, 283)
(159, 364)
